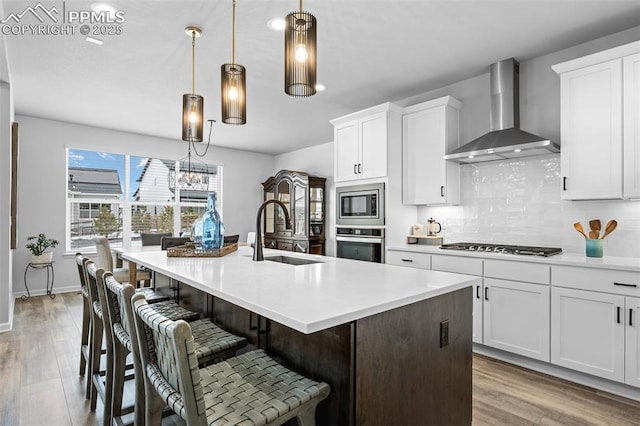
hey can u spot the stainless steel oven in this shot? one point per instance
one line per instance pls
(365, 244)
(360, 205)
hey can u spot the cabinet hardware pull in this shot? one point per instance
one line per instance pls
(355, 170)
(618, 309)
(564, 183)
(359, 168)
(486, 293)
(442, 191)
(630, 315)
(407, 260)
(625, 285)
(477, 292)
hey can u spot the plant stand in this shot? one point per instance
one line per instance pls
(50, 276)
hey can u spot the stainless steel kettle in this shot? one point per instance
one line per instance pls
(433, 227)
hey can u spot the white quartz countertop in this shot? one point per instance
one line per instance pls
(565, 259)
(306, 298)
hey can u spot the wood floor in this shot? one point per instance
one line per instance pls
(39, 382)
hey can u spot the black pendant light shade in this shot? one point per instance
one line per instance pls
(233, 85)
(192, 104)
(300, 54)
(233, 79)
(192, 117)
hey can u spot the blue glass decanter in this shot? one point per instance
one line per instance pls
(212, 227)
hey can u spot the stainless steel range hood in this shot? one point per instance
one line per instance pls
(505, 140)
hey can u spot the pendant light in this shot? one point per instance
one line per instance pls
(192, 104)
(191, 175)
(233, 85)
(300, 54)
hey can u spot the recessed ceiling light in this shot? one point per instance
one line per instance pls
(320, 87)
(103, 7)
(276, 24)
(517, 150)
(94, 40)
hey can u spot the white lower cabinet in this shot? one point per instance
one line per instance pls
(584, 319)
(632, 341)
(469, 266)
(587, 333)
(477, 313)
(516, 317)
(408, 258)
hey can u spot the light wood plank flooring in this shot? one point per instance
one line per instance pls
(39, 382)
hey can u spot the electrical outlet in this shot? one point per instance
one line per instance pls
(444, 333)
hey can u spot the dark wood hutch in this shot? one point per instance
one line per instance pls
(305, 197)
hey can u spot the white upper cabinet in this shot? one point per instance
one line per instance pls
(429, 131)
(631, 132)
(591, 111)
(360, 141)
(593, 90)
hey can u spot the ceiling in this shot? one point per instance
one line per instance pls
(369, 52)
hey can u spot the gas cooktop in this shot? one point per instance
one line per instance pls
(503, 248)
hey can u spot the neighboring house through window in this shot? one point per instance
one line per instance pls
(120, 196)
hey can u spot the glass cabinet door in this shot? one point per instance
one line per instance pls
(284, 195)
(316, 211)
(300, 210)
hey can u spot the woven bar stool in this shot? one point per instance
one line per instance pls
(249, 389)
(211, 342)
(105, 261)
(86, 315)
(150, 295)
(100, 382)
(85, 332)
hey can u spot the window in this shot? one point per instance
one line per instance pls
(120, 196)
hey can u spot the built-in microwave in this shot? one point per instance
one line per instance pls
(360, 205)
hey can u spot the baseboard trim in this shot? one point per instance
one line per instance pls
(43, 292)
(584, 379)
(7, 326)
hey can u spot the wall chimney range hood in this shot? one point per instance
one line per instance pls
(505, 140)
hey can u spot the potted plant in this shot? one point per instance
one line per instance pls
(38, 247)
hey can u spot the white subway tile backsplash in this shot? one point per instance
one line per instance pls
(518, 202)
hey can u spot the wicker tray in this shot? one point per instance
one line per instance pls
(189, 250)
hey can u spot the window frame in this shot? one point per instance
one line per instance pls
(126, 203)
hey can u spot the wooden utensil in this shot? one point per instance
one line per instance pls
(611, 226)
(595, 226)
(580, 229)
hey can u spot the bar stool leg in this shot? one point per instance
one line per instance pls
(84, 340)
(119, 369)
(94, 362)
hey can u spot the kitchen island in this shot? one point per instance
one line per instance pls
(393, 343)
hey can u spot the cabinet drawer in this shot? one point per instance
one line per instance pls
(457, 264)
(624, 283)
(285, 245)
(517, 271)
(407, 258)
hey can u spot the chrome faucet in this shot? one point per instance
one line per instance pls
(257, 246)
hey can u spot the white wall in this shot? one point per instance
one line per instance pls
(6, 254)
(318, 161)
(6, 117)
(519, 201)
(42, 178)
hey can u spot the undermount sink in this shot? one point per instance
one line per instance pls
(291, 260)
